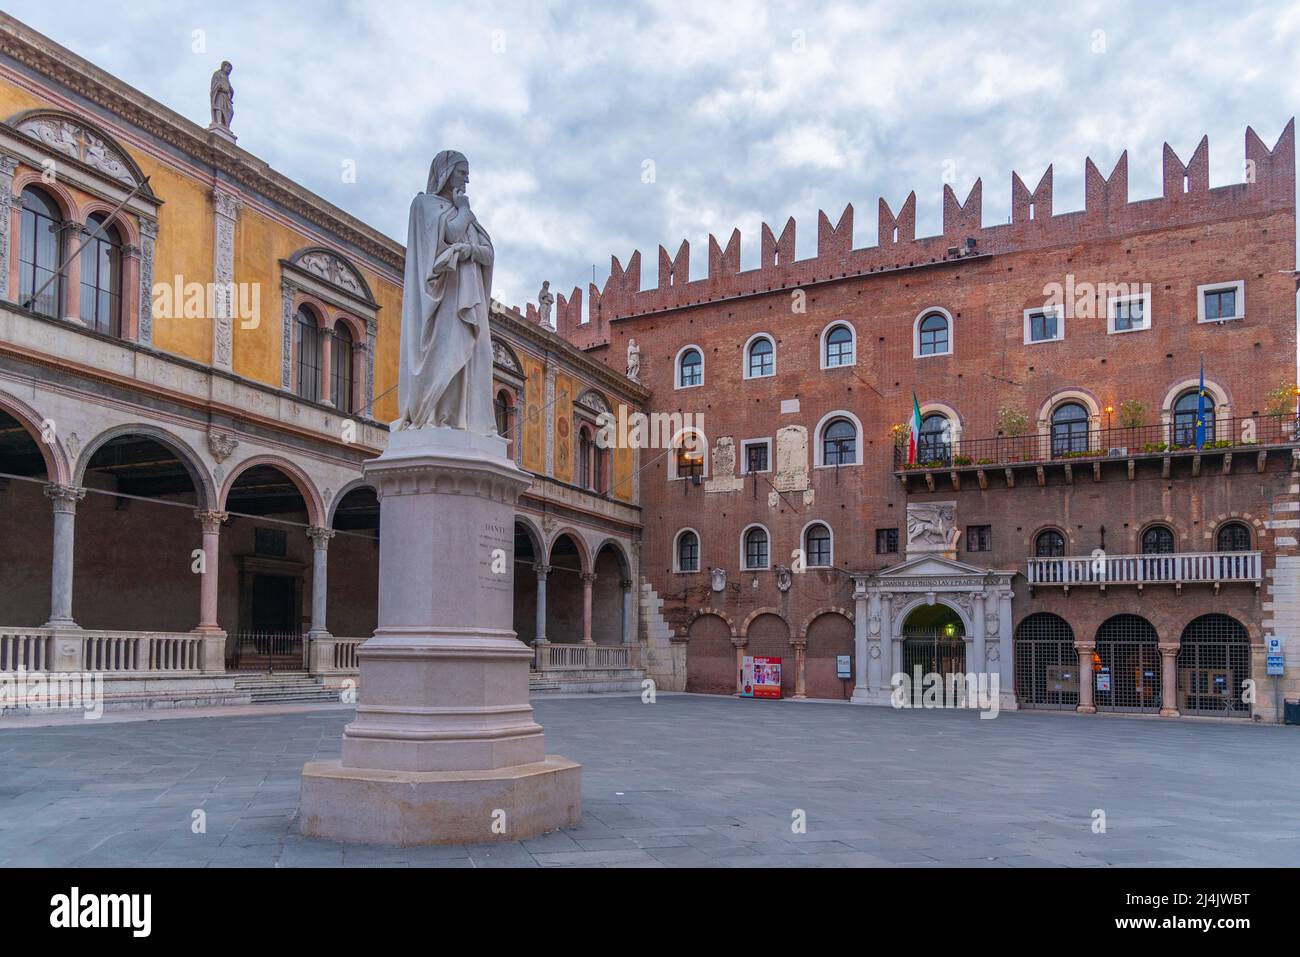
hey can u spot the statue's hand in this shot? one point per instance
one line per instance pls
(459, 198)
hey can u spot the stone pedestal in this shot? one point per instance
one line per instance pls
(444, 748)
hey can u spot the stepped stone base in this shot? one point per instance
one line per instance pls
(368, 806)
(586, 682)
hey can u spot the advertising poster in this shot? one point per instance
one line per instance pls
(760, 677)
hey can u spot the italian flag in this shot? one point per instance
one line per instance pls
(914, 432)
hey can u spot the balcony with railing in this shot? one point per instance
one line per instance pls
(1070, 453)
(1177, 568)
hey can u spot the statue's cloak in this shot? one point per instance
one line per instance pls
(445, 373)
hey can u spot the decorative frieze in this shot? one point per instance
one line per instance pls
(7, 167)
(226, 207)
(148, 241)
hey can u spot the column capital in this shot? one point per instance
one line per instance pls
(1170, 648)
(64, 497)
(211, 519)
(542, 571)
(626, 584)
(587, 577)
(320, 537)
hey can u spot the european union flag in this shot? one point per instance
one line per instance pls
(1200, 410)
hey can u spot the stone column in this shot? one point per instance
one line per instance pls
(1086, 680)
(444, 748)
(889, 645)
(327, 368)
(976, 663)
(214, 637)
(542, 572)
(320, 543)
(588, 582)
(1169, 679)
(864, 606)
(800, 668)
(1006, 647)
(740, 661)
(74, 234)
(64, 499)
(8, 165)
(629, 612)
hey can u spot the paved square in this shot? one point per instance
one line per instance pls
(692, 780)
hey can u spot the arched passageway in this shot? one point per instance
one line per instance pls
(1047, 664)
(353, 569)
(265, 549)
(26, 517)
(710, 657)
(136, 536)
(564, 587)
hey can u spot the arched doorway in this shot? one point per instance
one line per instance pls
(1213, 662)
(607, 606)
(352, 596)
(25, 517)
(265, 547)
(564, 592)
(769, 637)
(710, 657)
(1047, 664)
(933, 641)
(829, 636)
(1126, 665)
(136, 535)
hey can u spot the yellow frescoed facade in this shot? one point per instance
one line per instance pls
(188, 331)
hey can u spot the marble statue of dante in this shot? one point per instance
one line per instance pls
(223, 97)
(445, 376)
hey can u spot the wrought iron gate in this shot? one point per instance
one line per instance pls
(1047, 664)
(1212, 663)
(934, 653)
(1126, 672)
(267, 651)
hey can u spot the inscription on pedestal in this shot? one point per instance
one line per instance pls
(496, 555)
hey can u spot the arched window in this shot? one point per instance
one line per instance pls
(599, 468)
(690, 368)
(1069, 429)
(1158, 540)
(932, 335)
(688, 456)
(503, 407)
(761, 358)
(839, 347)
(1049, 544)
(1185, 418)
(839, 443)
(341, 392)
(101, 277)
(688, 551)
(1233, 537)
(309, 352)
(756, 548)
(817, 545)
(935, 441)
(40, 254)
(585, 446)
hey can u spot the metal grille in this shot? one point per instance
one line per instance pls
(267, 651)
(933, 652)
(1212, 663)
(1128, 659)
(1047, 664)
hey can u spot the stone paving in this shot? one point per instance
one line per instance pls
(691, 781)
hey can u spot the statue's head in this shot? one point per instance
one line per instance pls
(226, 67)
(546, 284)
(449, 171)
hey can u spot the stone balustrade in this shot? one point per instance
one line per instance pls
(587, 657)
(111, 652)
(1176, 568)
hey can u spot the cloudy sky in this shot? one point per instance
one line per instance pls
(736, 113)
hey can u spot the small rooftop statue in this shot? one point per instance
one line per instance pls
(222, 95)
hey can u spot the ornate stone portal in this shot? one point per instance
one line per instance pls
(444, 748)
(980, 597)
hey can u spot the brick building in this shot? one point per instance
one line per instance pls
(1060, 518)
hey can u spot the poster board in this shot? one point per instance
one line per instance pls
(760, 677)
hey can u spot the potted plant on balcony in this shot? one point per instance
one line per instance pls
(1012, 424)
(1132, 414)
